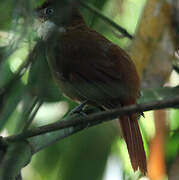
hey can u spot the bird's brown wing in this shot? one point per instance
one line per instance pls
(98, 69)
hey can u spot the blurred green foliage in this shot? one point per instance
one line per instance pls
(39, 75)
(84, 155)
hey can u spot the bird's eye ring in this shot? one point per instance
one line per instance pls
(48, 11)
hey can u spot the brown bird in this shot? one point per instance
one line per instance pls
(88, 67)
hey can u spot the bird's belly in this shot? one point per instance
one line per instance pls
(68, 90)
(96, 94)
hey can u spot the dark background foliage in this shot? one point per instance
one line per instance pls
(96, 153)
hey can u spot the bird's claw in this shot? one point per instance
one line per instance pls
(79, 109)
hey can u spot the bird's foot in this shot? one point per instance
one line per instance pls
(79, 109)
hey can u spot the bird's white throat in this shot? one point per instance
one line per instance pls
(46, 28)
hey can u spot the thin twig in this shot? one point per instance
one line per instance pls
(27, 111)
(31, 117)
(96, 117)
(106, 19)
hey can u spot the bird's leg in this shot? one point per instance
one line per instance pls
(79, 108)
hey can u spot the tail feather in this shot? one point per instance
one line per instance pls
(133, 139)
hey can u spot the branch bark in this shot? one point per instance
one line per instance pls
(18, 155)
(95, 118)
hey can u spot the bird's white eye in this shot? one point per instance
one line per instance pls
(48, 11)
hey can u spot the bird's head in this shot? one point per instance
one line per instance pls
(57, 15)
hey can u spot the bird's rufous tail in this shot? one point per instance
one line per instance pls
(133, 139)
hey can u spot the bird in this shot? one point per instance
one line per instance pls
(89, 68)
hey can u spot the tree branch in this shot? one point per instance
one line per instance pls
(106, 19)
(17, 155)
(95, 118)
